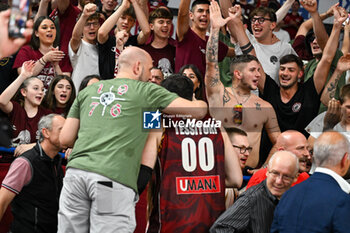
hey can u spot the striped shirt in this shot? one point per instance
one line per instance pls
(252, 212)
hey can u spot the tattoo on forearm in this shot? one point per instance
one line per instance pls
(212, 48)
(226, 98)
(215, 78)
(333, 86)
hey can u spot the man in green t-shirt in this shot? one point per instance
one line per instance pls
(105, 127)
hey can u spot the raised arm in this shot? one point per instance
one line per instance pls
(26, 72)
(75, 41)
(183, 20)
(322, 70)
(283, 10)
(214, 87)
(346, 41)
(106, 27)
(224, 6)
(308, 24)
(329, 91)
(143, 21)
(43, 8)
(318, 27)
(144, 6)
(233, 170)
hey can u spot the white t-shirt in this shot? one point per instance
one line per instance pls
(282, 35)
(84, 62)
(270, 55)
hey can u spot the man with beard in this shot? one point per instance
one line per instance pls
(235, 105)
(296, 104)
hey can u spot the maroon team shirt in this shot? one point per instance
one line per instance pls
(25, 128)
(191, 50)
(67, 22)
(163, 58)
(189, 193)
(27, 53)
(298, 19)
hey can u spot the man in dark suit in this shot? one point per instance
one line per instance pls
(322, 202)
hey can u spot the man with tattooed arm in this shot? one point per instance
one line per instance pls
(235, 106)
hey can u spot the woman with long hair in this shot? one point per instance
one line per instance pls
(60, 95)
(191, 71)
(43, 50)
(25, 113)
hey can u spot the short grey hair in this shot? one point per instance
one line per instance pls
(45, 123)
(327, 154)
(273, 157)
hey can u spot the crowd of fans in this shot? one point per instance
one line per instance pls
(244, 90)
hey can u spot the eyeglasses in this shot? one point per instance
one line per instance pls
(243, 149)
(95, 24)
(285, 178)
(260, 20)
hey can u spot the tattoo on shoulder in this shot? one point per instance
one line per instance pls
(258, 106)
(226, 97)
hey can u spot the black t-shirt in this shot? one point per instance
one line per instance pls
(299, 111)
(106, 56)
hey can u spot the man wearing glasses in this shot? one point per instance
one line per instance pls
(253, 211)
(240, 143)
(268, 48)
(239, 140)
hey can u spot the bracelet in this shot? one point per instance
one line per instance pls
(248, 50)
(246, 46)
(42, 62)
(43, 59)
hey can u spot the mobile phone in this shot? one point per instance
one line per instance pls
(18, 17)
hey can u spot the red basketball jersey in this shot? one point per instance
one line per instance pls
(189, 192)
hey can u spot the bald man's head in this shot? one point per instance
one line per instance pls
(282, 172)
(296, 142)
(137, 61)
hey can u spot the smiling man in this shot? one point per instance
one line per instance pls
(192, 40)
(253, 211)
(296, 104)
(83, 52)
(162, 53)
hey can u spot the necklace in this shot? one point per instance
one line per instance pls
(244, 100)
